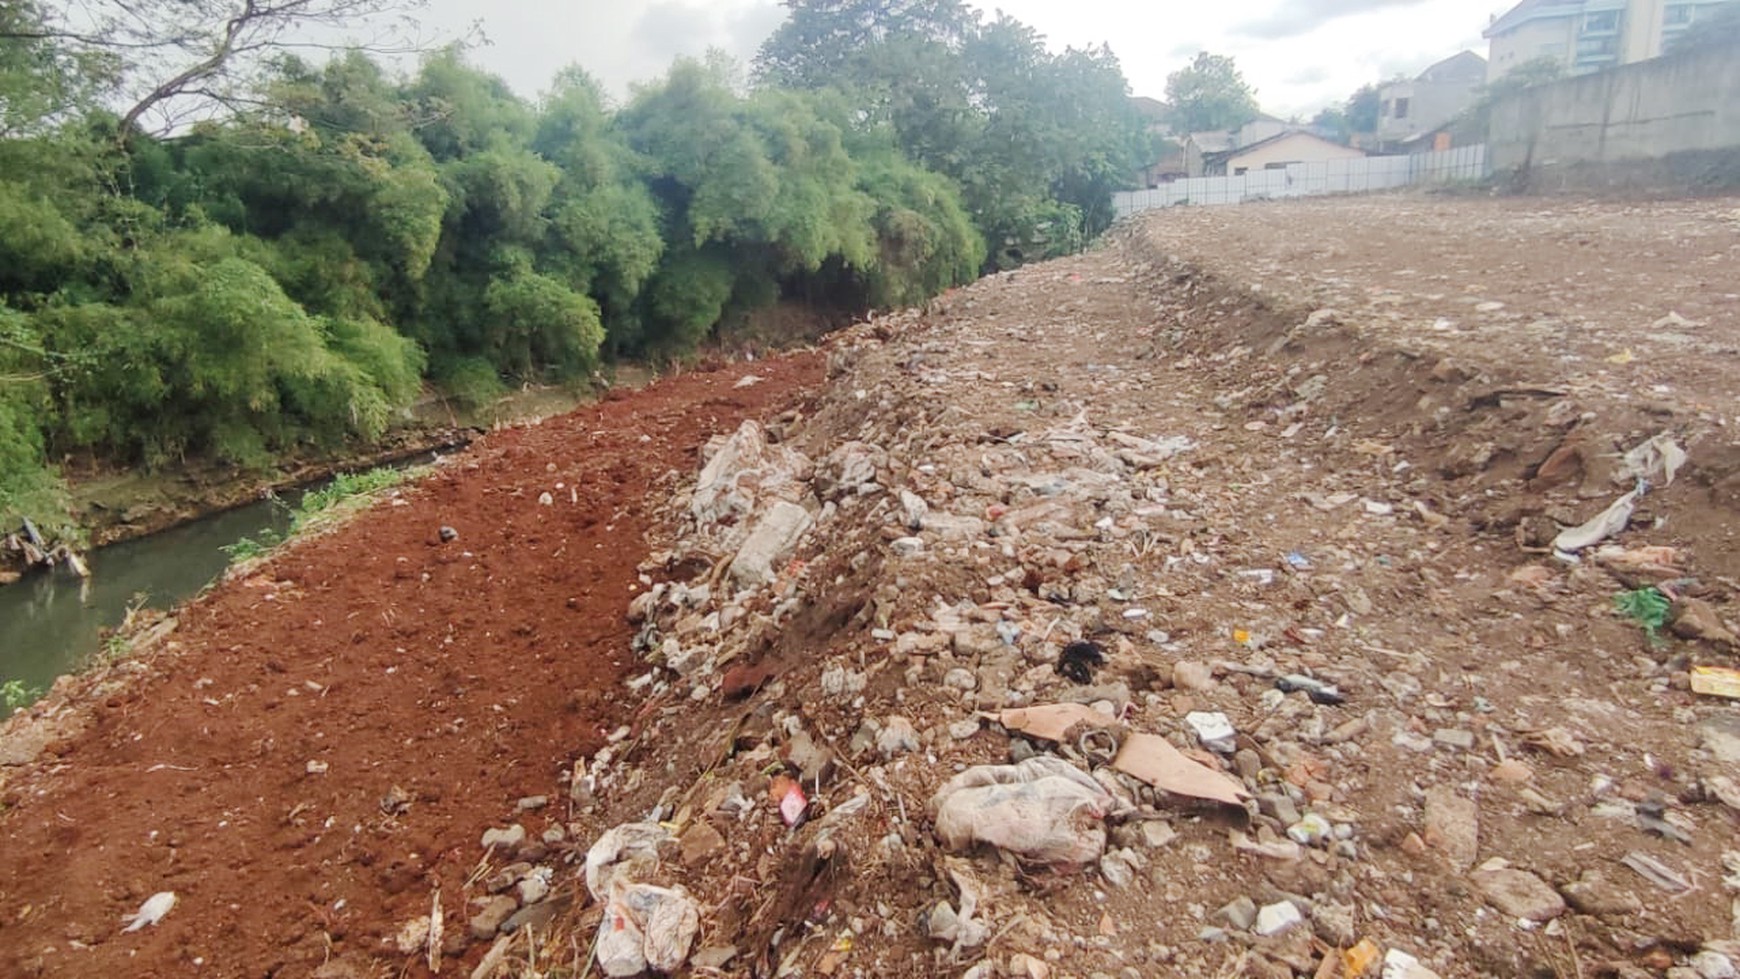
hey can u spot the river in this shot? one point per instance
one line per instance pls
(51, 621)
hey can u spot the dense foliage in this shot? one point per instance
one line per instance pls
(293, 268)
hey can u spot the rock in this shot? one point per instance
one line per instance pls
(774, 536)
(898, 735)
(1118, 868)
(532, 803)
(504, 840)
(1720, 736)
(536, 916)
(1454, 738)
(1512, 770)
(812, 761)
(1187, 675)
(1241, 913)
(1518, 893)
(713, 957)
(1277, 918)
(1713, 965)
(1280, 806)
(700, 844)
(1595, 895)
(838, 681)
(913, 510)
(448, 535)
(534, 887)
(907, 546)
(1334, 924)
(1452, 826)
(1400, 965)
(960, 679)
(964, 728)
(506, 877)
(1157, 833)
(488, 920)
(1695, 618)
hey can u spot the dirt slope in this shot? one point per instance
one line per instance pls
(430, 685)
(1331, 438)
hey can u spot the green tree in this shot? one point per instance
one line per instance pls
(1538, 71)
(1210, 94)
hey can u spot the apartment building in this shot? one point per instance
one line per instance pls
(1588, 35)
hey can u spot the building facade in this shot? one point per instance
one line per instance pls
(1417, 106)
(1588, 35)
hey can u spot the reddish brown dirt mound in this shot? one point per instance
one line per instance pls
(324, 741)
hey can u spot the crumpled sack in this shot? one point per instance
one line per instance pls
(1043, 809)
(633, 846)
(646, 927)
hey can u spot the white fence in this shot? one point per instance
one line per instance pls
(1356, 176)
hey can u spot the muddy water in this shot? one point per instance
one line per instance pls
(50, 622)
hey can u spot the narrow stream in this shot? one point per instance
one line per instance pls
(50, 621)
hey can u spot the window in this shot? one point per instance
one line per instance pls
(1677, 15)
(1386, 109)
(1604, 22)
(1278, 166)
(1402, 108)
(1596, 48)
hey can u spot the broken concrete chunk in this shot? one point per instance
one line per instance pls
(1519, 894)
(775, 535)
(1452, 826)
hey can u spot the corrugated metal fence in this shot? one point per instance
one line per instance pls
(1357, 176)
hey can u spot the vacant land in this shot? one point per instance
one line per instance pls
(1331, 438)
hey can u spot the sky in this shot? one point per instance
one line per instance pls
(1299, 54)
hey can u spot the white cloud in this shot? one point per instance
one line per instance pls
(1299, 54)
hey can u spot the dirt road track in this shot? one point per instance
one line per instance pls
(303, 759)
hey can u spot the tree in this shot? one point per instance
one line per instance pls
(180, 60)
(1711, 28)
(1537, 71)
(1362, 109)
(1210, 94)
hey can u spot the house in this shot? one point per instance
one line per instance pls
(1198, 147)
(1423, 105)
(1588, 35)
(1169, 167)
(1276, 153)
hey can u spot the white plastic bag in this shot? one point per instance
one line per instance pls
(1043, 809)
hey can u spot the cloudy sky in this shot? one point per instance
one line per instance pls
(1300, 54)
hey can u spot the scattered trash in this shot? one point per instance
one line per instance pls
(646, 927)
(789, 796)
(152, 911)
(1623, 357)
(1043, 809)
(1605, 524)
(1079, 660)
(1324, 694)
(1051, 722)
(1154, 760)
(1716, 681)
(631, 846)
(1297, 561)
(1657, 460)
(1213, 730)
(1378, 508)
(1356, 961)
(1400, 965)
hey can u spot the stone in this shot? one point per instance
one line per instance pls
(1241, 913)
(489, 918)
(963, 729)
(1280, 806)
(1117, 868)
(700, 844)
(1188, 675)
(1452, 826)
(1595, 895)
(1400, 965)
(1334, 924)
(1695, 618)
(1311, 830)
(504, 840)
(897, 736)
(1720, 736)
(1278, 918)
(838, 681)
(913, 510)
(960, 679)
(1157, 833)
(1518, 893)
(537, 916)
(533, 887)
(1713, 965)
(765, 549)
(813, 762)
(713, 957)
(532, 803)
(907, 546)
(1454, 738)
